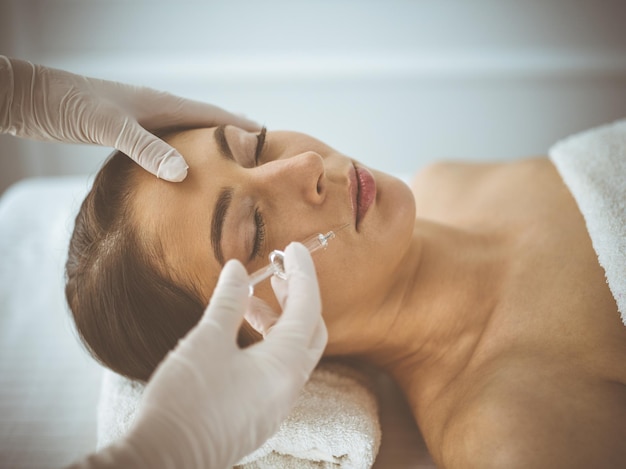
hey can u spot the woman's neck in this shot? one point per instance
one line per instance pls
(431, 320)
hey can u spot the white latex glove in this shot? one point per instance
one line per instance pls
(47, 104)
(211, 403)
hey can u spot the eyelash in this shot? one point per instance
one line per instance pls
(259, 237)
(259, 146)
(260, 234)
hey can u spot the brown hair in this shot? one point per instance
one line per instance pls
(128, 311)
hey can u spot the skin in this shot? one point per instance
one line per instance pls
(478, 291)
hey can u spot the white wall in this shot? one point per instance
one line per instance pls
(394, 84)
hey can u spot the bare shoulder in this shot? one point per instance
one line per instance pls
(468, 172)
(447, 191)
(452, 171)
(529, 415)
(462, 193)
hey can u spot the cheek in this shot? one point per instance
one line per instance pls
(393, 225)
(355, 268)
(354, 271)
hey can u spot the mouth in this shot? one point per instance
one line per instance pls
(362, 193)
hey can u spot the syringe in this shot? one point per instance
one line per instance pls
(276, 265)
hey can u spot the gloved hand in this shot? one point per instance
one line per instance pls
(210, 403)
(52, 105)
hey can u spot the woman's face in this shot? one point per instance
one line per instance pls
(244, 197)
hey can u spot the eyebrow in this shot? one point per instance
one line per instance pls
(217, 224)
(222, 143)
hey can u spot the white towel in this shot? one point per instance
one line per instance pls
(593, 166)
(334, 424)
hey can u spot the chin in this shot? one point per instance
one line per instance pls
(395, 205)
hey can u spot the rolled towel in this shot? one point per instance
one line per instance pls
(593, 166)
(334, 423)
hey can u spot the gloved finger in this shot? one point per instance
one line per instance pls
(198, 114)
(319, 340)
(150, 152)
(309, 353)
(230, 299)
(302, 308)
(169, 110)
(280, 287)
(260, 315)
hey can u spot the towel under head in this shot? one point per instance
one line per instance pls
(334, 423)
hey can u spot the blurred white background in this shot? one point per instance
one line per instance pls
(393, 83)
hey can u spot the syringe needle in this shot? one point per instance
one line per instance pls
(276, 267)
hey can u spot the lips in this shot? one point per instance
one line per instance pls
(362, 192)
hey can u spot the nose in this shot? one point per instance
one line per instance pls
(300, 175)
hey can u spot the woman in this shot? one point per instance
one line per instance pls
(477, 289)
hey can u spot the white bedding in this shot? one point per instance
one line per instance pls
(49, 386)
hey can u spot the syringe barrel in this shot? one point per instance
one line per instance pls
(275, 267)
(260, 275)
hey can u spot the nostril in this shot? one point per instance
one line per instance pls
(319, 185)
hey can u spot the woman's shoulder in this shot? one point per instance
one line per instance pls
(446, 190)
(453, 168)
(525, 410)
(465, 171)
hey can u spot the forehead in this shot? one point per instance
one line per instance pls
(191, 143)
(175, 217)
(155, 195)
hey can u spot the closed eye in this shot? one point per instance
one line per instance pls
(259, 236)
